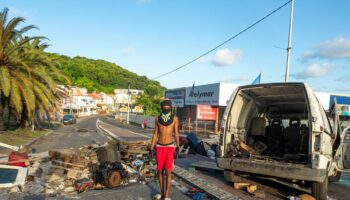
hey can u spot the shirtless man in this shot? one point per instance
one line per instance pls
(166, 128)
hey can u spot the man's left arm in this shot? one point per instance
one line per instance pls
(177, 140)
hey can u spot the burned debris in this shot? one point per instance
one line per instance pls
(71, 171)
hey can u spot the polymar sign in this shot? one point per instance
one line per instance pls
(205, 94)
(176, 96)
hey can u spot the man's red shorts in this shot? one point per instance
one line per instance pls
(165, 157)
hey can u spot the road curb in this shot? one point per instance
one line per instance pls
(35, 139)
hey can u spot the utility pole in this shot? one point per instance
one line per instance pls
(289, 48)
(128, 110)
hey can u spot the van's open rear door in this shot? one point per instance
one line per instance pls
(342, 156)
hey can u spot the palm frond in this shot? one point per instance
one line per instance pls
(27, 28)
(41, 97)
(10, 29)
(5, 81)
(15, 96)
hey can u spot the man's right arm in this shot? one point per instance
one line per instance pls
(155, 134)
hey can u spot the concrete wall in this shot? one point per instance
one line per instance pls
(138, 119)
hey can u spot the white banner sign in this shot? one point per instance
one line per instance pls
(206, 95)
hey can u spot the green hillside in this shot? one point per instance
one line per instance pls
(100, 75)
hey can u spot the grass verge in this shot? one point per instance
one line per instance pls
(20, 136)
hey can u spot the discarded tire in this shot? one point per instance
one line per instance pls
(335, 178)
(114, 179)
(319, 190)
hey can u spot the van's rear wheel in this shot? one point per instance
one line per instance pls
(231, 176)
(319, 190)
(335, 178)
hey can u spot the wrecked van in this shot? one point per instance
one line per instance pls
(280, 132)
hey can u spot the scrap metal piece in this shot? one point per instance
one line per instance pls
(198, 182)
(14, 174)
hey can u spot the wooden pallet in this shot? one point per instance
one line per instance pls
(200, 183)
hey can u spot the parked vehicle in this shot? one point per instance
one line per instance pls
(280, 132)
(69, 119)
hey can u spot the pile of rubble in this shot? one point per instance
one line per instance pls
(71, 171)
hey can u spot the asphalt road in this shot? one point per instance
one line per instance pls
(86, 132)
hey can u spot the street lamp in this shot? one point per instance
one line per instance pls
(289, 48)
(128, 110)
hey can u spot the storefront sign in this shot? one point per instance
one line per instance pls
(177, 97)
(343, 104)
(206, 112)
(205, 94)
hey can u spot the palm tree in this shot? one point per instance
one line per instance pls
(26, 72)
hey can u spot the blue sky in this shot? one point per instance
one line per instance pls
(151, 37)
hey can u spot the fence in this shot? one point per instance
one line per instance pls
(204, 128)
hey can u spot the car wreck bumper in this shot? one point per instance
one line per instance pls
(273, 169)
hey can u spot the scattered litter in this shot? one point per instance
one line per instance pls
(252, 188)
(18, 159)
(12, 175)
(240, 186)
(37, 188)
(290, 197)
(198, 196)
(307, 197)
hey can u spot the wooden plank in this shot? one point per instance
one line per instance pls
(14, 148)
(134, 151)
(70, 164)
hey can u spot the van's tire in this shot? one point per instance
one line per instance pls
(319, 190)
(335, 178)
(231, 176)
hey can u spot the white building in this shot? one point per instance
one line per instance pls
(121, 100)
(78, 102)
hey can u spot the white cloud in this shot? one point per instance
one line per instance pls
(225, 57)
(314, 71)
(338, 48)
(128, 51)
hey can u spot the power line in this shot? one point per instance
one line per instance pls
(226, 41)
